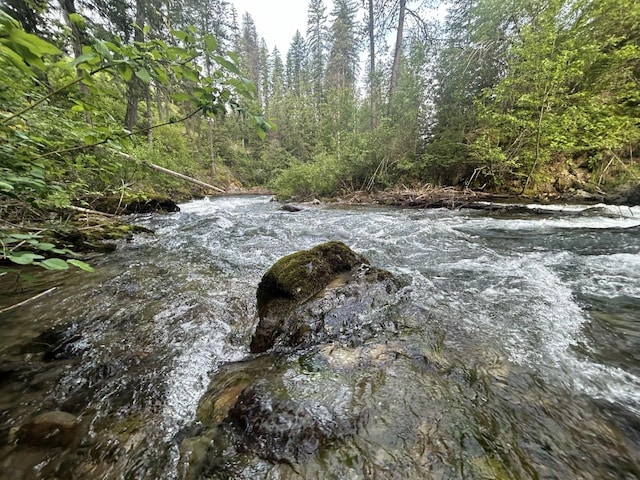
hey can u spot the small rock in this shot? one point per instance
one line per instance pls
(49, 429)
(60, 342)
(290, 208)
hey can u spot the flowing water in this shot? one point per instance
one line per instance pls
(514, 351)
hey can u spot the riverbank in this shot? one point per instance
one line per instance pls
(454, 198)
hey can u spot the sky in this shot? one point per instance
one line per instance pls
(277, 20)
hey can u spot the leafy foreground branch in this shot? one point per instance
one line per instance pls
(60, 109)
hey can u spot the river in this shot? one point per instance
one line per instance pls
(516, 347)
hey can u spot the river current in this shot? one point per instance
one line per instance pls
(527, 328)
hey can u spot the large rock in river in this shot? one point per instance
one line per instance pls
(316, 295)
(326, 315)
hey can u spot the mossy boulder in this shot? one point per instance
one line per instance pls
(130, 204)
(302, 274)
(314, 295)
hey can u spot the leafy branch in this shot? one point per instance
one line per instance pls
(124, 135)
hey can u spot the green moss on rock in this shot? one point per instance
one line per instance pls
(314, 295)
(303, 274)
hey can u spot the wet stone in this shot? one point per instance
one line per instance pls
(290, 208)
(320, 294)
(284, 430)
(60, 342)
(49, 429)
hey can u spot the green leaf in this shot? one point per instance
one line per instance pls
(143, 75)
(113, 47)
(126, 71)
(192, 75)
(180, 97)
(54, 264)
(45, 246)
(78, 20)
(5, 187)
(24, 258)
(81, 265)
(35, 44)
(84, 58)
(15, 59)
(102, 49)
(62, 251)
(161, 76)
(24, 236)
(232, 67)
(210, 42)
(180, 35)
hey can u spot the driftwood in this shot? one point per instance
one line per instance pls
(172, 173)
(424, 197)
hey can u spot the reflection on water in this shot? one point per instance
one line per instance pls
(515, 353)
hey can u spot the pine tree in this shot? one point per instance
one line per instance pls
(296, 64)
(343, 57)
(250, 49)
(317, 35)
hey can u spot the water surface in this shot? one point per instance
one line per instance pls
(516, 345)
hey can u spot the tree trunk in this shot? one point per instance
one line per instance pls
(77, 40)
(212, 156)
(395, 69)
(158, 90)
(372, 68)
(149, 117)
(136, 89)
(170, 172)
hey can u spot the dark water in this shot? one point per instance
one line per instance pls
(514, 354)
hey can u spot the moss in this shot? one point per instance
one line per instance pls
(88, 234)
(128, 426)
(135, 203)
(303, 274)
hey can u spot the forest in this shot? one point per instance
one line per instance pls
(287, 320)
(523, 97)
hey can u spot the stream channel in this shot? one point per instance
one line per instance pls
(511, 352)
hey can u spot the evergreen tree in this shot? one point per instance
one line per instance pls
(317, 36)
(250, 49)
(342, 66)
(296, 64)
(277, 74)
(265, 90)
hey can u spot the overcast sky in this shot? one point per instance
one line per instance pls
(277, 20)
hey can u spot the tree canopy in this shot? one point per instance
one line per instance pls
(524, 96)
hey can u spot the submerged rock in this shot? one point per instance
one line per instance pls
(60, 342)
(284, 430)
(314, 295)
(252, 414)
(49, 429)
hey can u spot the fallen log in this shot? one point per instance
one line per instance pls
(183, 177)
(93, 212)
(172, 173)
